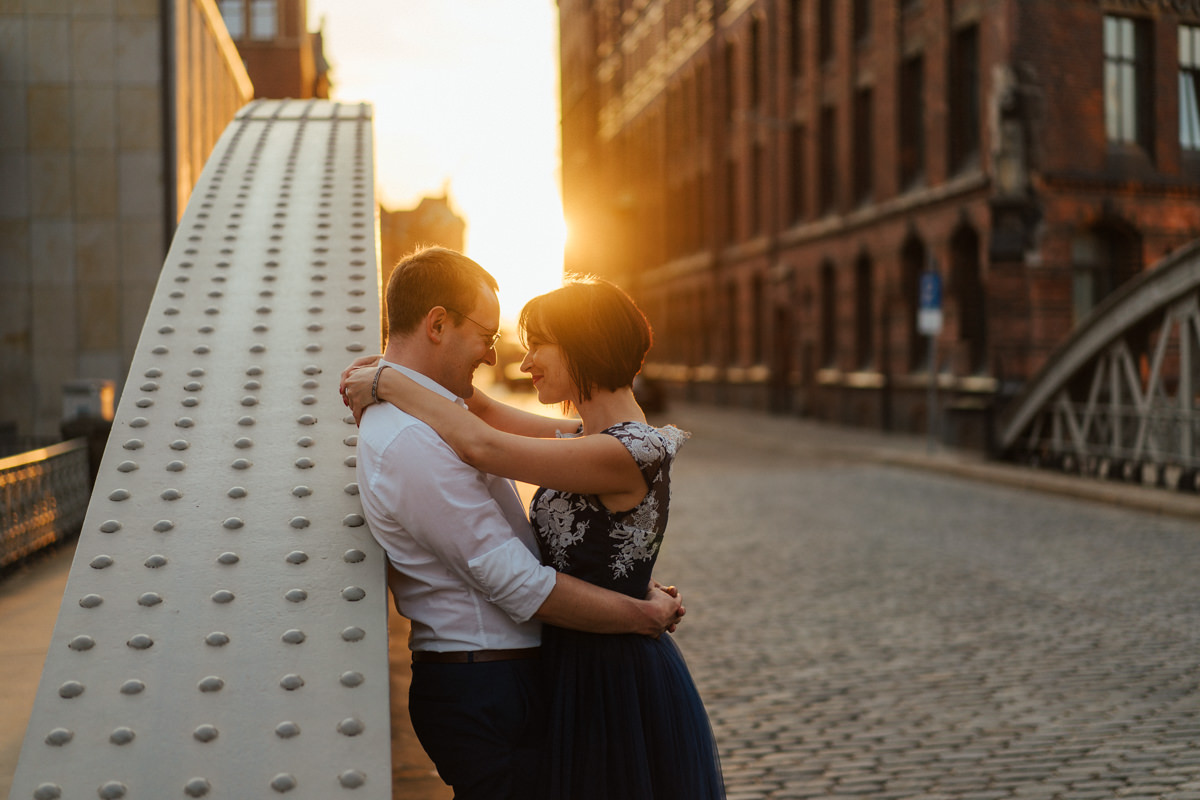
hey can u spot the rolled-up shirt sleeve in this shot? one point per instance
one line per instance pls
(447, 508)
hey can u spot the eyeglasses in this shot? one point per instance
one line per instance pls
(493, 336)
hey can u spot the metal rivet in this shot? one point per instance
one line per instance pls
(82, 642)
(70, 689)
(119, 495)
(252, 385)
(205, 733)
(110, 526)
(305, 441)
(196, 372)
(156, 561)
(175, 466)
(196, 787)
(301, 491)
(185, 422)
(153, 372)
(294, 636)
(228, 558)
(310, 384)
(308, 400)
(350, 441)
(237, 492)
(242, 463)
(312, 369)
(296, 595)
(351, 488)
(313, 348)
(350, 461)
(353, 556)
(100, 562)
(351, 679)
(352, 779)
(254, 370)
(164, 525)
(305, 463)
(121, 736)
(354, 593)
(353, 634)
(287, 729)
(355, 347)
(90, 600)
(180, 444)
(307, 419)
(138, 422)
(297, 557)
(193, 386)
(134, 444)
(113, 790)
(149, 386)
(245, 421)
(352, 520)
(350, 726)
(47, 791)
(58, 737)
(222, 596)
(202, 350)
(291, 682)
(211, 684)
(249, 400)
(190, 402)
(133, 686)
(160, 351)
(150, 599)
(233, 523)
(140, 642)
(127, 466)
(217, 639)
(171, 494)
(243, 442)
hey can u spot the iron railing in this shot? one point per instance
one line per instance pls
(43, 498)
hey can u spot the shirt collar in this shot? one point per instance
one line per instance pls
(426, 381)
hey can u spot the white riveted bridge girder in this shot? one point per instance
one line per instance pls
(224, 628)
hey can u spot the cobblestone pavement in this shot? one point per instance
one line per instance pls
(859, 629)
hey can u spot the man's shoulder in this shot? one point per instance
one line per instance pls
(383, 426)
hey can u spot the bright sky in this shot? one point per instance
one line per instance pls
(466, 99)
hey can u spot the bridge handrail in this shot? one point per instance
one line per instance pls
(43, 497)
(1138, 298)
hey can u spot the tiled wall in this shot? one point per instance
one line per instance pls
(84, 168)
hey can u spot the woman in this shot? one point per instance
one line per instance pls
(626, 719)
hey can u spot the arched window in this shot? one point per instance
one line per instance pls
(864, 316)
(1102, 258)
(969, 297)
(912, 262)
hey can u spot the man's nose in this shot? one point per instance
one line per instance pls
(490, 358)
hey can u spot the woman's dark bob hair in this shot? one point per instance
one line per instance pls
(603, 335)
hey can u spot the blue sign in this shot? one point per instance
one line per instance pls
(929, 306)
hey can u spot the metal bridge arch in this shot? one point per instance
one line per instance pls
(1119, 398)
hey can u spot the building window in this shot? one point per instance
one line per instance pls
(758, 184)
(731, 324)
(912, 119)
(264, 20)
(1127, 103)
(1189, 87)
(864, 134)
(759, 318)
(799, 183)
(1102, 259)
(964, 99)
(756, 82)
(862, 20)
(912, 263)
(730, 65)
(828, 294)
(966, 282)
(797, 53)
(825, 30)
(864, 316)
(731, 205)
(828, 158)
(234, 14)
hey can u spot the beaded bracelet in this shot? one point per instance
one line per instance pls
(375, 385)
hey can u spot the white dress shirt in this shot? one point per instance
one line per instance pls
(469, 575)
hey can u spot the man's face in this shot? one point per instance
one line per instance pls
(468, 345)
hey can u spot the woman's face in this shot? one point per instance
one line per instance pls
(548, 368)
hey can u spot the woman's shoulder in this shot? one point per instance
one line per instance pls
(666, 438)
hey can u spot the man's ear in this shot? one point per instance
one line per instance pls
(436, 322)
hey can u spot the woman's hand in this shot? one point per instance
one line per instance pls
(672, 592)
(361, 361)
(356, 388)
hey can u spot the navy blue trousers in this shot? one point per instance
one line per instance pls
(483, 725)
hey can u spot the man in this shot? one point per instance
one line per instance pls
(465, 570)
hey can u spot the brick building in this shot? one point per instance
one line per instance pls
(771, 178)
(283, 59)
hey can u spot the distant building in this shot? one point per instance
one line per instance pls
(282, 57)
(432, 222)
(107, 115)
(771, 179)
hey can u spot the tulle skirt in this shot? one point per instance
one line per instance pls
(626, 721)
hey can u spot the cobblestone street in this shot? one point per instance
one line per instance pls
(864, 630)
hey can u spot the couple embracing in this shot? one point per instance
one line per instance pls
(542, 663)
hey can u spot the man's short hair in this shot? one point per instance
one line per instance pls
(428, 277)
(603, 335)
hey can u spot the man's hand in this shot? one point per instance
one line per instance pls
(355, 384)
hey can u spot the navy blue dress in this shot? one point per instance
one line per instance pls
(626, 720)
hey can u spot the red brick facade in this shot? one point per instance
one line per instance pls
(770, 179)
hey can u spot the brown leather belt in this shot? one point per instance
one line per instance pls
(473, 656)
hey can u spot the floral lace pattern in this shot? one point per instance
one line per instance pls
(580, 537)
